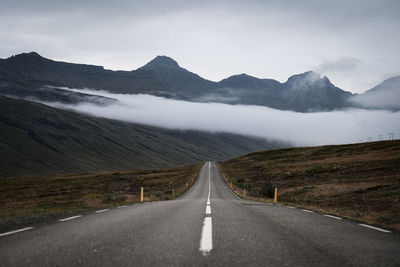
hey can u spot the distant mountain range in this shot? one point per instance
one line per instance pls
(30, 75)
(36, 139)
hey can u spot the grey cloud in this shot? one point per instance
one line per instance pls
(342, 64)
(298, 128)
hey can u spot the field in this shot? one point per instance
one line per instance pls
(359, 181)
(35, 196)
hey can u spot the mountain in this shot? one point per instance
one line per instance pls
(164, 77)
(36, 139)
(175, 80)
(303, 92)
(384, 95)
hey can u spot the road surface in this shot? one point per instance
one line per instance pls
(207, 226)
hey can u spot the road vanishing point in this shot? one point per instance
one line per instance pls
(208, 226)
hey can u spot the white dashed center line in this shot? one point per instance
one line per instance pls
(208, 210)
(70, 218)
(16, 231)
(206, 231)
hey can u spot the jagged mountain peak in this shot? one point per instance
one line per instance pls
(162, 62)
(26, 56)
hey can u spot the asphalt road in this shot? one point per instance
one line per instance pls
(185, 232)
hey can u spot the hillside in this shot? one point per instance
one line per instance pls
(39, 140)
(360, 181)
(28, 73)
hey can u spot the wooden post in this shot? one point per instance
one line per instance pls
(141, 194)
(276, 195)
(244, 192)
(173, 193)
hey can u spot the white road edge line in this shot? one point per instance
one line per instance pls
(331, 216)
(16, 231)
(120, 207)
(70, 218)
(308, 211)
(375, 228)
(99, 211)
(290, 207)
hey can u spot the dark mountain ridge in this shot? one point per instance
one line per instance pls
(163, 76)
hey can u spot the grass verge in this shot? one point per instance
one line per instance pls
(28, 196)
(358, 181)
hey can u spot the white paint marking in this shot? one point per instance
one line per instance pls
(308, 211)
(70, 218)
(99, 211)
(208, 202)
(16, 231)
(208, 209)
(290, 207)
(206, 237)
(120, 207)
(331, 216)
(375, 228)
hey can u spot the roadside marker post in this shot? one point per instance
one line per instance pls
(244, 192)
(276, 195)
(141, 194)
(173, 193)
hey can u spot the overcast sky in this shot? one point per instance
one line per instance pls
(354, 42)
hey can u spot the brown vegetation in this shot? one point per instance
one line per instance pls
(44, 195)
(359, 181)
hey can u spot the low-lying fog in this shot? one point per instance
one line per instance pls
(336, 127)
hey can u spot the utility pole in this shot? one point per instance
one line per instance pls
(380, 137)
(391, 136)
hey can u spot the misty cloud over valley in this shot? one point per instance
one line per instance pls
(318, 128)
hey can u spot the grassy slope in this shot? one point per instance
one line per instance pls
(54, 194)
(39, 140)
(360, 181)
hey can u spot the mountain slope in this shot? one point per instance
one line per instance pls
(37, 139)
(164, 77)
(384, 95)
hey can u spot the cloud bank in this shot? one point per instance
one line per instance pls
(320, 128)
(385, 95)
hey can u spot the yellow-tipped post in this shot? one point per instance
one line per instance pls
(141, 194)
(276, 195)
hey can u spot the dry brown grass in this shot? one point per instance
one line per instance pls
(43, 195)
(360, 181)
